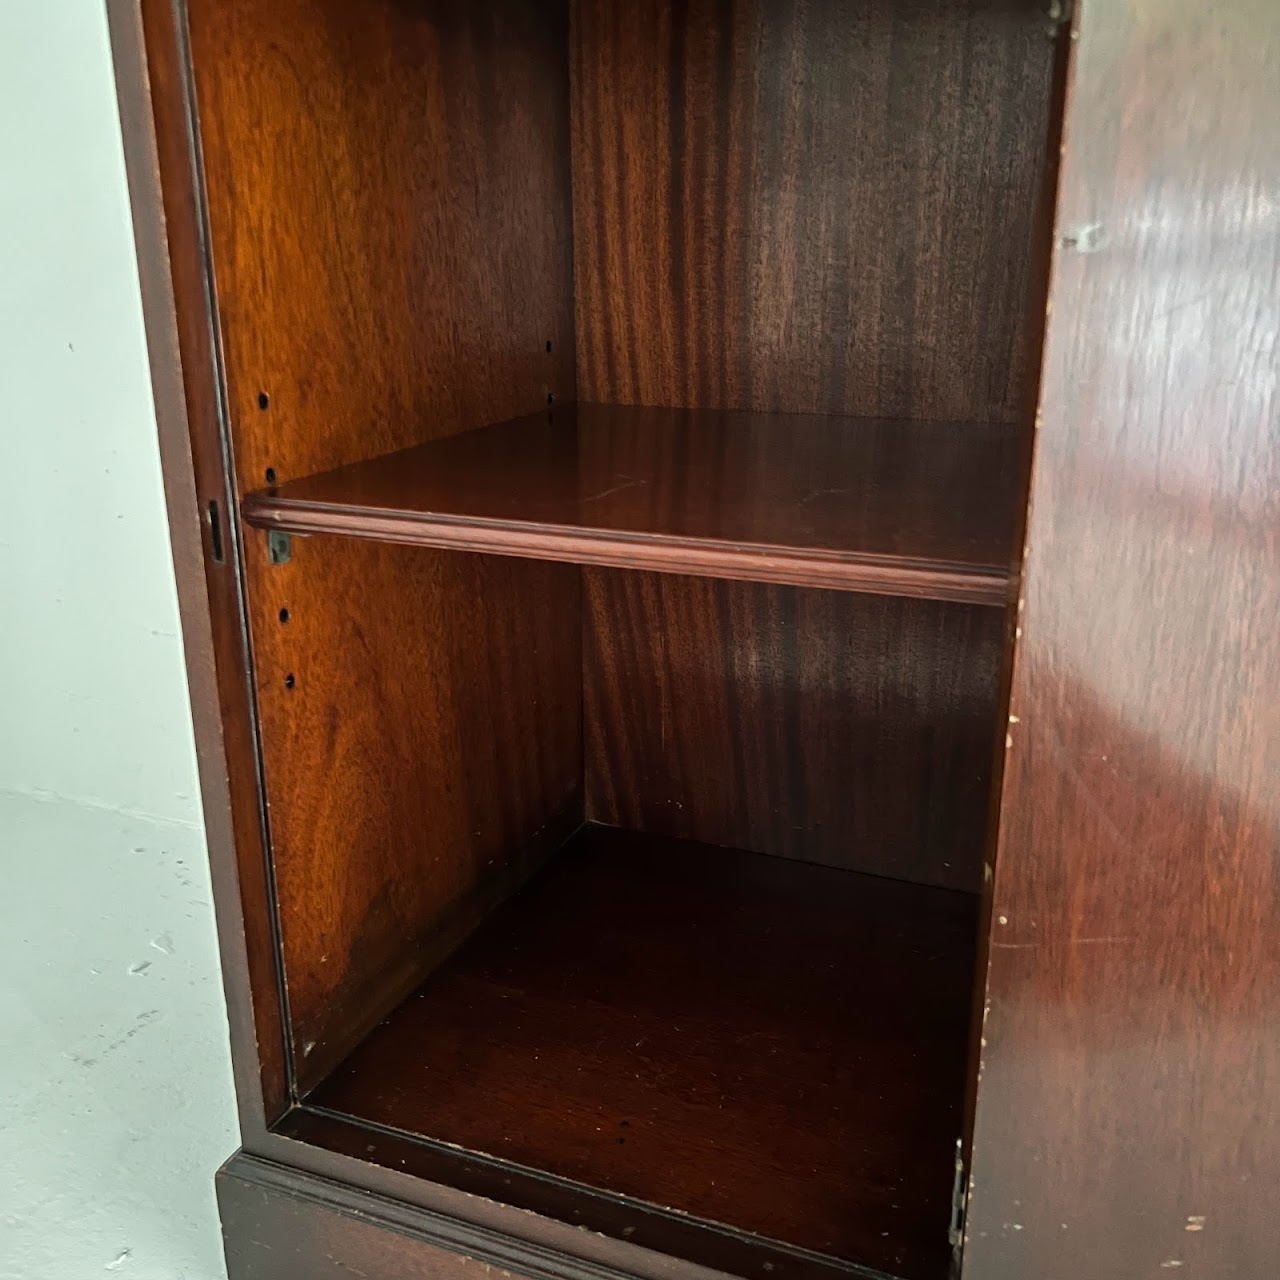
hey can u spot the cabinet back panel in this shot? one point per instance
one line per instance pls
(856, 731)
(810, 205)
(427, 754)
(388, 193)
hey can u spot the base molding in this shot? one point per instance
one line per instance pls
(282, 1223)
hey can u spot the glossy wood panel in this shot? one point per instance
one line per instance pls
(421, 721)
(810, 205)
(282, 1225)
(575, 1222)
(388, 188)
(773, 497)
(756, 1042)
(1129, 1111)
(845, 729)
(146, 45)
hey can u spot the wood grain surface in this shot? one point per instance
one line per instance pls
(388, 190)
(851, 730)
(422, 742)
(1129, 1112)
(775, 1046)
(279, 1224)
(810, 205)
(146, 41)
(919, 509)
(290, 1223)
(558, 1222)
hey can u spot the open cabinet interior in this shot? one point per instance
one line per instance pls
(630, 409)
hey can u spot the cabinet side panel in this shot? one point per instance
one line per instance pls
(421, 719)
(1128, 1119)
(388, 189)
(146, 47)
(856, 731)
(810, 205)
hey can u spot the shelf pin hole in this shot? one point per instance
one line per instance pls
(290, 680)
(284, 615)
(264, 400)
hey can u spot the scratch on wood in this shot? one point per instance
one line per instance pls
(1090, 238)
(820, 493)
(617, 488)
(1063, 759)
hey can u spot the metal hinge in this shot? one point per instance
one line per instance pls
(959, 1195)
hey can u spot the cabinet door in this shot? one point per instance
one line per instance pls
(1128, 1115)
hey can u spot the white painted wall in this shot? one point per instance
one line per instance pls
(115, 1085)
(93, 700)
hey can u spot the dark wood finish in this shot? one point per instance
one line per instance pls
(777, 205)
(1127, 1116)
(851, 730)
(810, 205)
(388, 190)
(285, 1224)
(772, 497)
(576, 1221)
(282, 1225)
(422, 742)
(753, 1041)
(150, 70)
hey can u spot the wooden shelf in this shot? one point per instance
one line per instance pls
(894, 507)
(756, 1042)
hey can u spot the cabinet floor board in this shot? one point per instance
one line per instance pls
(767, 1044)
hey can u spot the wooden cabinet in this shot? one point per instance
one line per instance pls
(727, 745)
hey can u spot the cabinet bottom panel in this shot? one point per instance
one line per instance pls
(768, 1048)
